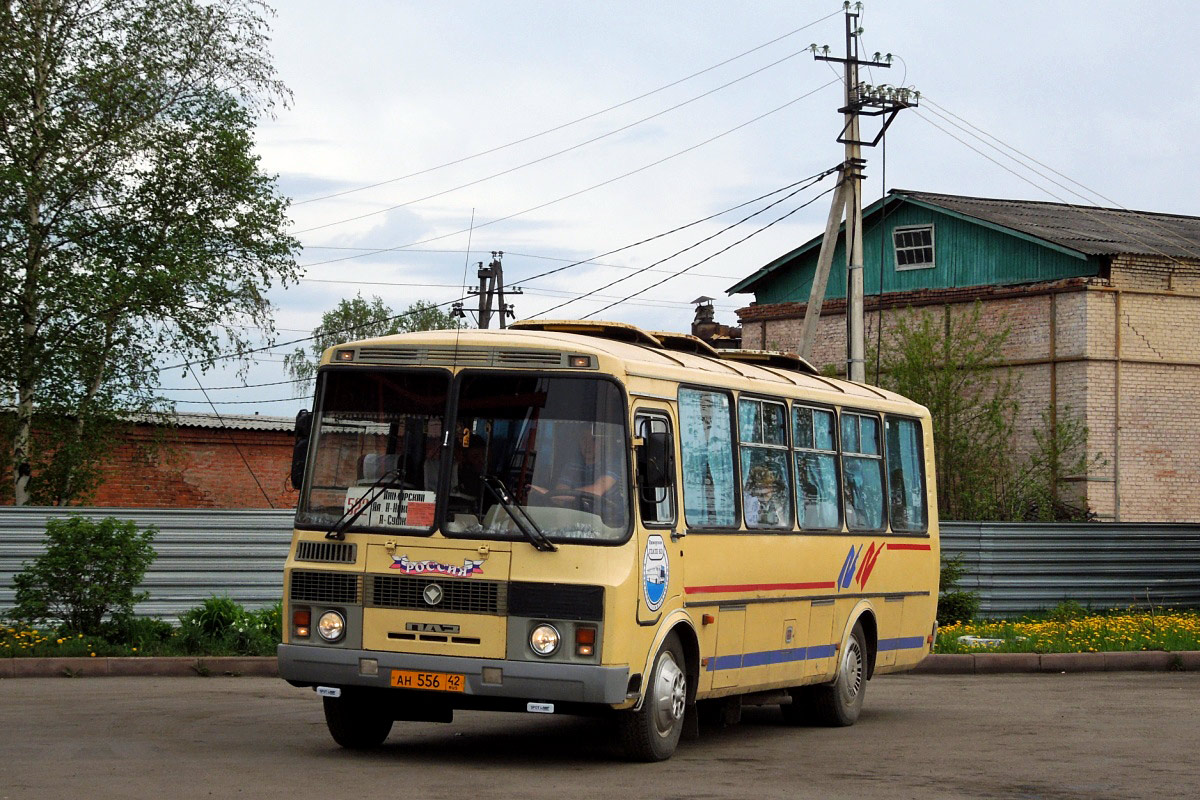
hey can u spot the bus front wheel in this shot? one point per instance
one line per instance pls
(355, 722)
(836, 704)
(652, 732)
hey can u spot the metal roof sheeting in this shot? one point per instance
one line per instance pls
(237, 422)
(1085, 229)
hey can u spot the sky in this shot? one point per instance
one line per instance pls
(561, 132)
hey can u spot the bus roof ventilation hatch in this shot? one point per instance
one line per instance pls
(770, 358)
(616, 331)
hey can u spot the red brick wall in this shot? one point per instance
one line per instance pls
(198, 468)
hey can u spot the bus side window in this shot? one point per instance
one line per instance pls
(766, 468)
(709, 480)
(862, 472)
(657, 504)
(818, 500)
(906, 475)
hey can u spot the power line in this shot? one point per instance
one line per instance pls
(1083, 209)
(238, 402)
(573, 263)
(811, 182)
(714, 255)
(547, 157)
(593, 187)
(350, 329)
(232, 441)
(572, 122)
(1186, 244)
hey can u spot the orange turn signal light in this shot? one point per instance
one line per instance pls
(301, 616)
(585, 641)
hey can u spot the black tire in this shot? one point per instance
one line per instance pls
(651, 733)
(836, 704)
(356, 722)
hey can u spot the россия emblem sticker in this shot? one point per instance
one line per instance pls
(655, 572)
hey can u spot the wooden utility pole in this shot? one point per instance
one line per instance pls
(491, 287)
(860, 100)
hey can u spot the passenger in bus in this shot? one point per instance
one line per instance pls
(764, 503)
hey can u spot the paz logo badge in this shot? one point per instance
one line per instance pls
(432, 594)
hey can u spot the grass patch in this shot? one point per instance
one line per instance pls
(1071, 629)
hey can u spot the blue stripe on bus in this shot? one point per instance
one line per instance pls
(902, 643)
(791, 654)
(766, 657)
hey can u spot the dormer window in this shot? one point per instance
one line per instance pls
(914, 247)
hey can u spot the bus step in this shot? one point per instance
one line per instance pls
(774, 697)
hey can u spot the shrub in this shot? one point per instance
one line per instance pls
(214, 618)
(89, 570)
(954, 604)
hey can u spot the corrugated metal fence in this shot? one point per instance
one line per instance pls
(1014, 567)
(1018, 567)
(201, 552)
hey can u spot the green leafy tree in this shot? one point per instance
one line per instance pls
(953, 365)
(135, 222)
(89, 570)
(361, 319)
(948, 363)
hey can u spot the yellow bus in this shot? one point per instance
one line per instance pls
(590, 518)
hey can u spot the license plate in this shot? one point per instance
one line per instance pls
(432, 681)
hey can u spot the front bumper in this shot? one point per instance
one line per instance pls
(529, 680)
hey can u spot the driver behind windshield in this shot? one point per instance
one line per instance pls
(581, 479)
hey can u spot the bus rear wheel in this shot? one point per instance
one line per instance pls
(355, 722)
(651, 733)
(836, 704)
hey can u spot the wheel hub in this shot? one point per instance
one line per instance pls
(669, 695)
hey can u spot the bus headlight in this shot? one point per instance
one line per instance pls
(544, 640)
(331, 626)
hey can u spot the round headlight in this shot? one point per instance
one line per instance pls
(331, 626)
(544, 640)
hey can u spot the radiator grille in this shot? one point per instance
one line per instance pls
(468, 596)
(326, 587)
(556, 600)
(329, 552)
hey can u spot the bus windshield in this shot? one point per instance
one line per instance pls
(555, 448)
(378, 440)
(557, 445)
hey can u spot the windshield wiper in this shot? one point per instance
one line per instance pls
(528, 527)
(381, 485)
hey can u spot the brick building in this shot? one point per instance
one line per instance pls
(1103, 305)
(202, 462)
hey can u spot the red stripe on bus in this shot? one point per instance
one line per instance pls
(757, 587)
(896, 546)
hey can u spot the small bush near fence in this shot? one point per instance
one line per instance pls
(88, 572)
(217, 627)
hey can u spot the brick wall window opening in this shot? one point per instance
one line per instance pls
(914, 247)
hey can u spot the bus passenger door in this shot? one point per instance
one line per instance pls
(660, 546)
